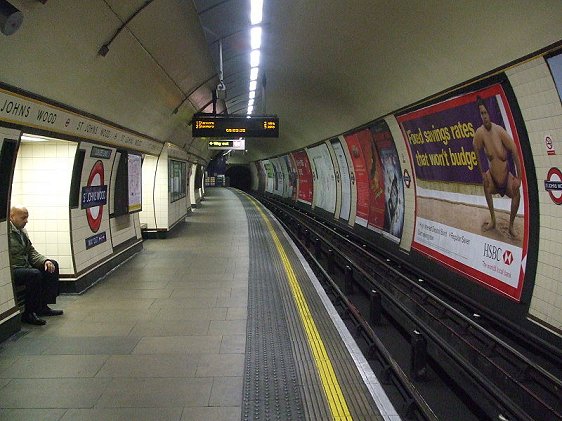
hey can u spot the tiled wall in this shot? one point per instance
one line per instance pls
(157, 211)
(148, 170)
(42, 184)
(123, 228)
(192, 189)
(542, 112)
(161, 193)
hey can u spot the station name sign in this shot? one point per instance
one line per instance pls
(208, 125)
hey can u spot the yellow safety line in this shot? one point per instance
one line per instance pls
(332, 389)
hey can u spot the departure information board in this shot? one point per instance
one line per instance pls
(205, 125)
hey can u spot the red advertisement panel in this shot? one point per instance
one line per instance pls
(471, 188)
(376, 180)
(355, 143)
(304, 172)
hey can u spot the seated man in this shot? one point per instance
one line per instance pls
(39, 274)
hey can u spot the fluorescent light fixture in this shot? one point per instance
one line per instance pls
(34, 138)
(252, 94)
(255, 58)
(253, 85)
(255, 37)
(256, 10)
(254, 73)
(250, 110)
(251, 102)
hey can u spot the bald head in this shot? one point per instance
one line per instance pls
(18, 216)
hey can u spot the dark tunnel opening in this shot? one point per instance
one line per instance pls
(240, 177)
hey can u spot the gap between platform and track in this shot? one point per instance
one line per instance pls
(336, 401)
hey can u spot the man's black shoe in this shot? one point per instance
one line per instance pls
(47, 311)
(32, 319)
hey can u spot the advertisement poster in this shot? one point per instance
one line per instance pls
(279, 181)
(135, 182)
(392, 183)
(324, 177)
(304, 172)
(261, 176)
(345, 181)
(270, 176)
(292, 177)
(286, 187)
(471, 188)
(354, 144)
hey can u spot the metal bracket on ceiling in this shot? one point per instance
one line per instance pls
(104, 49)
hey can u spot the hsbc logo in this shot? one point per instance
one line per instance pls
(498, 254)
(507, 257)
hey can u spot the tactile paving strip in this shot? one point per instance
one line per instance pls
(271, 303)
(271, 390)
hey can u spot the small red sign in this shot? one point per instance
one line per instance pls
(549, 145)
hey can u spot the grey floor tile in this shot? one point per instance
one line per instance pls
(227, 391)
(6, 361)
(233, 344)
(233, 301)
(208, 413)
(184, 292)
(31, 414)
(179, 345)
(54, 366)
(159, 365)
(220, 365)
(135, 284)
(188, 302)
(124, 414)
(156, 393)
(166, 328)
(117, 315)
(227, 327)
(102, 304)
(215, 313)
(78, 329)
(237, 313)
(53, 393)
(200, 281)
(24, 345)
(124, 293)
(116, 345)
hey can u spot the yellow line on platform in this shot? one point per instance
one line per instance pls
(332, 389)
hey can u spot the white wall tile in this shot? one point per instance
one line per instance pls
(542, 112)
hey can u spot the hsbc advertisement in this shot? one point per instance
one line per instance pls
(471, 187)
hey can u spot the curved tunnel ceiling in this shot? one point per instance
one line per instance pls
(333, 65)
(330, 65)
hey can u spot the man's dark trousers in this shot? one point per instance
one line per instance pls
(41, 287)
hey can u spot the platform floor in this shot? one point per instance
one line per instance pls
(164, 336)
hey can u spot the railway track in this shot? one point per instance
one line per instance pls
(496, 374)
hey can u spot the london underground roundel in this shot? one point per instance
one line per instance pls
(94, 196)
